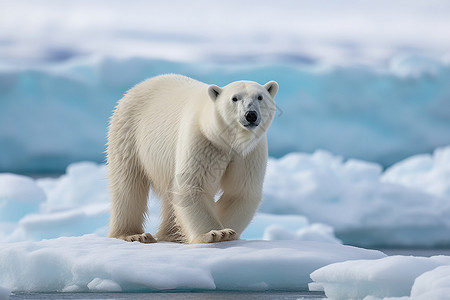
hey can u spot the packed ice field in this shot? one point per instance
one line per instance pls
(53, 233)
(359, 154)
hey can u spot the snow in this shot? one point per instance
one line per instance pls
(76, 203)
(393, 276)
(288, 227)
(407, 205)
(313, 232)
(56, 228)
(434, 284)
(60, 225)
(93, 263)
(429, 173)
(18, 196)
(307, 197)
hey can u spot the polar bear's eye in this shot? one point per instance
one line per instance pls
(234, 99)
(260, 97)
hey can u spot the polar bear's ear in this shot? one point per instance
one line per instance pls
(214, 91)
(272, 88)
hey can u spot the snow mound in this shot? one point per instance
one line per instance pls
(314, 232)
(288, 227)
(74, 204)
(426, 172)
(92, 263)
(83, 183)
(365, 206)
(393, 276)
(19, 195)
(434, 284)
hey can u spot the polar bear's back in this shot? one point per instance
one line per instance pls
(166, 82)
(170, 88)
(157, 108)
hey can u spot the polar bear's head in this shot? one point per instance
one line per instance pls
(246, 109)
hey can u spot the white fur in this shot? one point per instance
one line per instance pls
(187, 141)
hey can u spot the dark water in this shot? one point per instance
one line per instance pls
(416, 252)
(174, 296)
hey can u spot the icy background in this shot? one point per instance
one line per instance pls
(306, 197)
(362, 81)
(359, 146)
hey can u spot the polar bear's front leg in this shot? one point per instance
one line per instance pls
(145, 238)
(195, 213)
(242, 186)
(216, 236)
(197, 178)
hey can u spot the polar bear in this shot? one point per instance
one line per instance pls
(188, 142)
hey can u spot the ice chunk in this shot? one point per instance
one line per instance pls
(19, 196)
(434, 284)
(70, 222)
(261, 221)
(102, 264)
(84, 183)
(425, 172)
(314, 232)
(393, 276)
(74, 204)
(365, 206)
(103, 285)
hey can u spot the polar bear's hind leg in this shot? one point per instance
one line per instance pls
(129, 188)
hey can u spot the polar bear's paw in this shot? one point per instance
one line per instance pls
(217, 236)
(145, 238)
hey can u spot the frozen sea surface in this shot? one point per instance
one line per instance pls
(97, 264)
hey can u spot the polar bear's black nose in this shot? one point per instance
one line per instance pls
(251, 116)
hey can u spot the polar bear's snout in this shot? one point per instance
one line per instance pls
(249, 111)
(252, 118)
